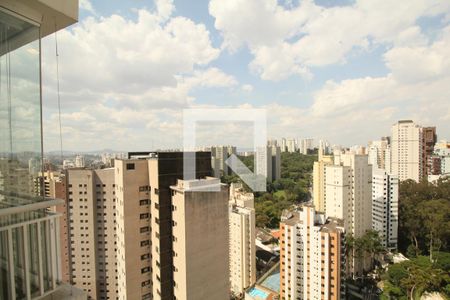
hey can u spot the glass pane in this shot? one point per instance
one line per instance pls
(19, 263)
(46, 255)
(20, 111)
(34, 259)
(4, 267)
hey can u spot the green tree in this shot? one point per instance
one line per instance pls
(436, 220)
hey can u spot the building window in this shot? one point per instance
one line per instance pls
(130, 166)
(144, 229)
(143, 202)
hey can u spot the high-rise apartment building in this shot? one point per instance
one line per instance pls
(407, 150)
(325, 146)
(121, 222)
(29, 233)
(164, 171)
(429, 139)
(263, 159)
(200, 265)
(80, 161)
(312, 256)
(348, 196)
(276, 162)
(291, 145)
(242, 239)
(219, 155)
(442, 150)
(92, 231)
(385, 207)
(283, 145)
(377, 152)
(305, 145)
(388, 160)
(319, 179)
(272, 142)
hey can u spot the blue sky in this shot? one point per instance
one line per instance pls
(342, 71)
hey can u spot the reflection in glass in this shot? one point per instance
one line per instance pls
(20, 124)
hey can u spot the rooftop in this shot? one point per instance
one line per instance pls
(206, 184)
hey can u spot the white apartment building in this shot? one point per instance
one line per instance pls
(377, 153)
(348, 195)
(406, 150)
(442, 149)
(80, 161)
(219, 155)
(200, 240)
(242, 239)
(291, 145)
(283, 145)
(312, 256)
(305, 145)
(385, 207)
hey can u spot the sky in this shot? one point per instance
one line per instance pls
(343, 71)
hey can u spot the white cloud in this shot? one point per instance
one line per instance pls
(164, 8)
(126, 77)
(289, 41)
(416, 88)
(118, 56)
(87, 5)
(414, 64)
(247, 88)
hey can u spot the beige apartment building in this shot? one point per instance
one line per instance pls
(92, 231)
(242, 239)
(319, 179)
(200, 240)
(312, 256)
(133, 218)
(407, 150)
(121, 223)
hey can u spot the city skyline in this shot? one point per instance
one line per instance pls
(177, 55)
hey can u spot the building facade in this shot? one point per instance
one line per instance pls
(319, 179)
(407, 150)
(276, 162)
(200, 240)
(385, 207)
(377, 152)
(429, 139)
(121, 226)
(312, 256)
(219, 155)
(242, 236)
(92, 231)
(348, 196)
